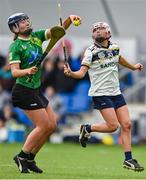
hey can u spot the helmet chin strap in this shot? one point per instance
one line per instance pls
(15, 28)
(101, 39)
(27, 32)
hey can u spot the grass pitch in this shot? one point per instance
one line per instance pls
(70, 161)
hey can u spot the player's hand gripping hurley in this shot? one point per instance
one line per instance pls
(76, 20)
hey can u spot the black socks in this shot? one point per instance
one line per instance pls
(29, 156)
(88, 128)
(128, 155)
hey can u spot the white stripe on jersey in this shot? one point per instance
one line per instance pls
(103, 69)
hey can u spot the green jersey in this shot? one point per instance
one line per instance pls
(28, 52)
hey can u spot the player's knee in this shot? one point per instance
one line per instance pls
(49, 129)
(45, 126)
(126, 126)
(48, 126)
(44, 129)
(113, 127)
(53, 126)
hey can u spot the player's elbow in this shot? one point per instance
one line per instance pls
(80, 76)
(14, 73)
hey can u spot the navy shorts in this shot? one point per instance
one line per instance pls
(102, 102)
(28, 99)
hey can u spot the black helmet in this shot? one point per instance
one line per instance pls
(14, 19)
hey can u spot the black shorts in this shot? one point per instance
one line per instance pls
(27, 98)
(102, 102)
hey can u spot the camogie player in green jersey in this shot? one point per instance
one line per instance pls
(24, 57)
(101, 61)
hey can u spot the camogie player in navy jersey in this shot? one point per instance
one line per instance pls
(101, 61)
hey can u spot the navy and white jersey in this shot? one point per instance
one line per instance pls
(103, 69)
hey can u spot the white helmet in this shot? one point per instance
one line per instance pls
(104, 25)
(101, 24)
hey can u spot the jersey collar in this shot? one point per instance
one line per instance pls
(24, 39)
(100, 46)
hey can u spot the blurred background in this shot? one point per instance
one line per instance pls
(69, 97)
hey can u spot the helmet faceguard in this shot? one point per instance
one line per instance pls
(102, 25)
(13, 21)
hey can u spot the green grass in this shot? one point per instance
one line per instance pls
(70, 161)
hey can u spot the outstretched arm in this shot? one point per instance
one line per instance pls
(126, 64)
(77, 74)
(70, 20)
(67, 22)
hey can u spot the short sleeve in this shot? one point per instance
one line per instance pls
(14, 54)
(41, 34)
(87, 58)
(116, 51)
